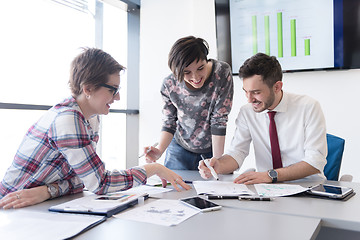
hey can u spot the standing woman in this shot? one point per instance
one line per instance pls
(197, 100)
(58, 153)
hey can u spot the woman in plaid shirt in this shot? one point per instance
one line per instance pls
(58, 154)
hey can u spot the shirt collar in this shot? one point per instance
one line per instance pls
(283, 104)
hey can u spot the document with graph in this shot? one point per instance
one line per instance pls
(279, 190)
(221, 188)
(166, 212)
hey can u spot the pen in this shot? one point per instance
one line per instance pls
(222, 197)
(256, 198)
(207, 163)
(160, 185)
(149, 149)
(168, 184)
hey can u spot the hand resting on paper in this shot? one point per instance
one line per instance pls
(166, 175)
(253, 178)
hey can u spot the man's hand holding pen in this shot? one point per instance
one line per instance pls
(205, 171)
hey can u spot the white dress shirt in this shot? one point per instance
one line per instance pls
(301, 131)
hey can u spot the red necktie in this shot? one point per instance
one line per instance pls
(275, 149)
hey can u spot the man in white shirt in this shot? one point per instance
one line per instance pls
(300, 126)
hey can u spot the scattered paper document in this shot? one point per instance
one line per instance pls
(148, 189)
(278, 190)
(221, 188)
(153, 180)
(25, 224)
(164, 212)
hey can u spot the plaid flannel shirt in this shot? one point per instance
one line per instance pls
(61, 148)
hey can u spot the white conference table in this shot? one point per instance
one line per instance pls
(282, 218)
(226, 223)
(343, 216)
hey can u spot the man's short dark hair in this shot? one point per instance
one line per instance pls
(261, 64)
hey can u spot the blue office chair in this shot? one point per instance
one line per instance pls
(334, 157)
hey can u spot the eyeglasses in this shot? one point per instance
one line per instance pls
(114, 89)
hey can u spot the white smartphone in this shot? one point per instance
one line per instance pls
(201, 204)
(331, 191)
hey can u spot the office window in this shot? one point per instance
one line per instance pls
(39, 40)
(113, 138)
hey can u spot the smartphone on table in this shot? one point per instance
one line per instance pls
(109, 198)
(201, 204)
(331, 191)
(115, 197)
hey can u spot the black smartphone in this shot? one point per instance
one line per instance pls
(115, 197)
(331, 191)
(201, 204)
(109, 198)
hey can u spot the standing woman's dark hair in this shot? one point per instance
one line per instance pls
(185, 51)
(91, 67)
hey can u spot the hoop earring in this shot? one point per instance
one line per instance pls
(87, 96)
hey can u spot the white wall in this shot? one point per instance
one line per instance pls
(337, 92)
(164, 21)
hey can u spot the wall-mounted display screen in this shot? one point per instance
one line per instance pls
(302, 34)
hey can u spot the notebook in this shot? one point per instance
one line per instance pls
(104, 205)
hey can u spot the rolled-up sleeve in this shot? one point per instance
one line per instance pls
(240, 144)
(315, 144)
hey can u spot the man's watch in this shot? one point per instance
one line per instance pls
(52, 190)
(273, 175)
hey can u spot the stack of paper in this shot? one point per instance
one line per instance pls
(26, 224)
